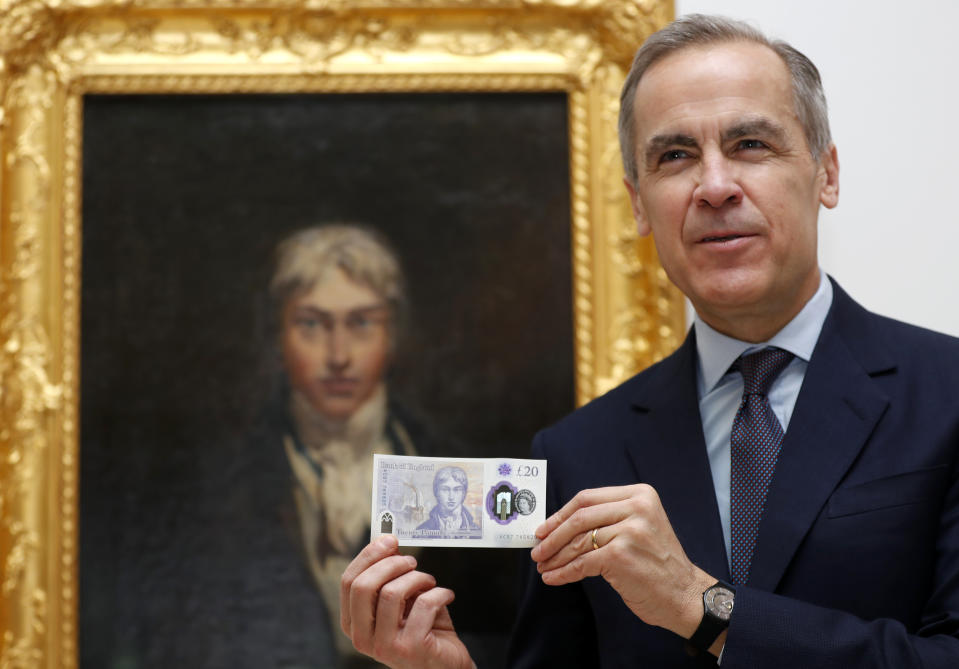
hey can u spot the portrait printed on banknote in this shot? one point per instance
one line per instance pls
(432, 499)
(467, 502)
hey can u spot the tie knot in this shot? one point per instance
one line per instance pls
(761, 368)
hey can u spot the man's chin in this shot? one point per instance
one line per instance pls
(336, 409)
(730, 290)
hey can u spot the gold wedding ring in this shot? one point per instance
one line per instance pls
(595, 545)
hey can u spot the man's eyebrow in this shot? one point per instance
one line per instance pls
(757, 127)
(660, 143)
(365, 309)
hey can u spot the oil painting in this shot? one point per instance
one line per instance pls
(275, 288)
(244, 244)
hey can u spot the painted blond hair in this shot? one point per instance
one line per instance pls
(304, 258)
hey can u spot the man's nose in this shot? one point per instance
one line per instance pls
(339, 348)
(718, 182)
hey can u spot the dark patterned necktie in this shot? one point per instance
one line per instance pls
(755, 440)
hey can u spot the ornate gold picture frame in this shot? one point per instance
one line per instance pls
(626, 315)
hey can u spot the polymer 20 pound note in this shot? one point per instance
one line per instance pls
(463, 502)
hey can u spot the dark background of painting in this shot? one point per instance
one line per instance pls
(184, 200)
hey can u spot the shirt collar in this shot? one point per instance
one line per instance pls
(716, 352)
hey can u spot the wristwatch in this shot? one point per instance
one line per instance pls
(717, 608)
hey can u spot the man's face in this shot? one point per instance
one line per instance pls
(728, 187)
(449, 495)
(336, 344)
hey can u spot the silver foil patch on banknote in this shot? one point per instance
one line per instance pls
(464, 502)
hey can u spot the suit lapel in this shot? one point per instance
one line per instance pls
(837, 408)
(668, 451)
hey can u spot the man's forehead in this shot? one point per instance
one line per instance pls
(334, 290)
(718, 58)
(335, 307)
(730, 84)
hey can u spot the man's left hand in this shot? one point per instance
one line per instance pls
(636, 551)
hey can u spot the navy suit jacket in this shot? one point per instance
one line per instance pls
(857, 558)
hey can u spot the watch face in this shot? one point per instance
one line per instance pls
(719, 601)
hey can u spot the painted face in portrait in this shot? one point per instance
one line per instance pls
(336, 341)
(450, 494)
(728, 187)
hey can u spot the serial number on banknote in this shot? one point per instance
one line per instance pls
(462, 502)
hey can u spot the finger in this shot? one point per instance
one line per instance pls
(586, 564)
(375, 551)
(583, 499)
(636, 535)
(573, 536)
(363, 597)
(428, 610)
(578, 545)
(576, 516)
(393, 600)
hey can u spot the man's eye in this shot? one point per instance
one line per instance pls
(312, 326)
(359, 326)
(674, 154)
(751, 144)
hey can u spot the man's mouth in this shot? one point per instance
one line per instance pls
(719, 239)
(339, 386)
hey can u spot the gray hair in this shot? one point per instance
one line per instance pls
(702, 30)
(304, 258)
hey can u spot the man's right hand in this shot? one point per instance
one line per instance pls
(397, 615)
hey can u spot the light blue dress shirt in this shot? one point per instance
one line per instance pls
(720, 391)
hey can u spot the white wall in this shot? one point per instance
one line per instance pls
(890, 70)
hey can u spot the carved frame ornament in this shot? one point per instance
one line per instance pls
(52, 52)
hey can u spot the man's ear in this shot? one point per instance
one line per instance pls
(639, 215)
(829, 165)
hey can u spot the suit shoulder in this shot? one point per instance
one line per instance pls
(929, 356)
(908, 334)
(905, 355)
(911, 344)
(863, 328)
